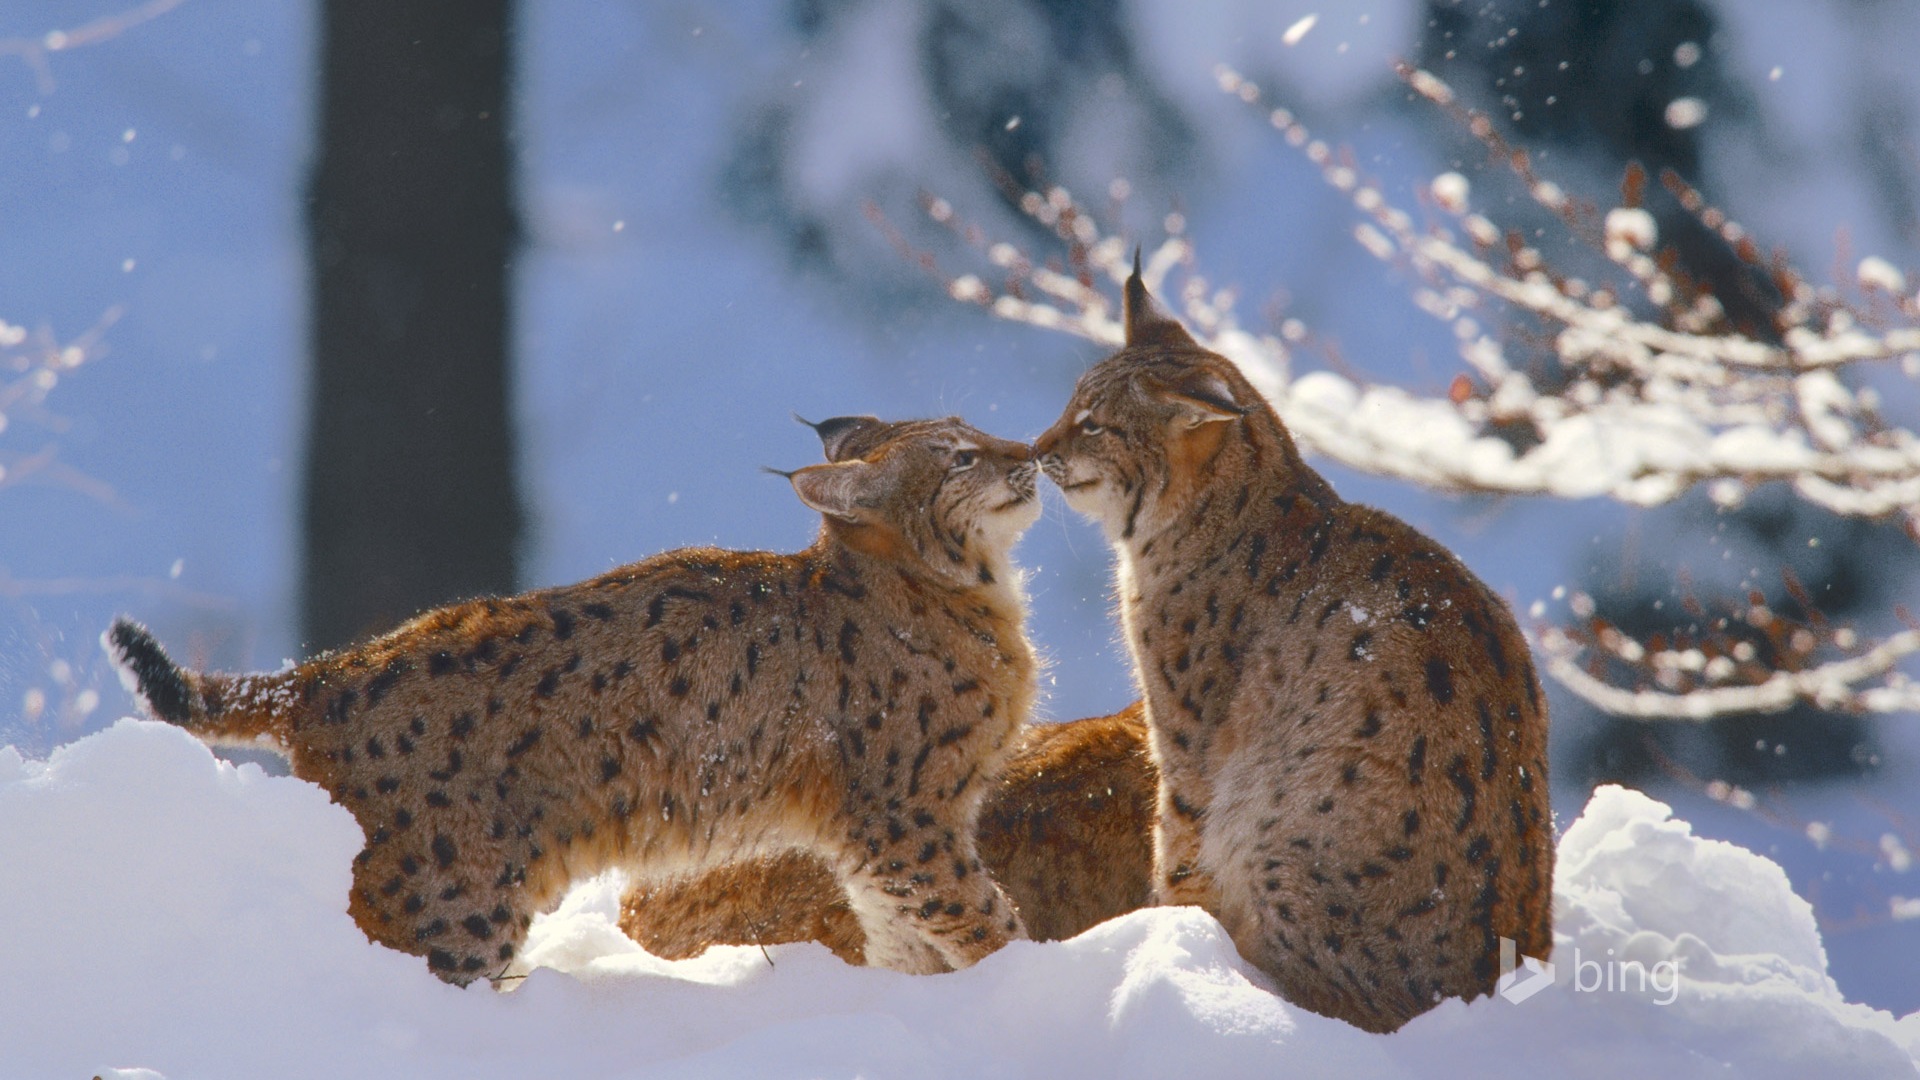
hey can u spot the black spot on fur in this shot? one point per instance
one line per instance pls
(443, 851)
(1416, 759)
(1440, 680)
(1488, 759)
(1457, 772)
(338, 710)
(562, 623)
(657, 608)
(389, 676)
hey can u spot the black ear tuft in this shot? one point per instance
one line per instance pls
(1146, 326)
(841, 436)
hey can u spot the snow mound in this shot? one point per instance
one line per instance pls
(170, 915)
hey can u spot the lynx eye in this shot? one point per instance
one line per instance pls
(1088, 427)
(963, 459)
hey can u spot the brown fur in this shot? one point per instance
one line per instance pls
(1066, 831)
(1350, 734)
(687, 710)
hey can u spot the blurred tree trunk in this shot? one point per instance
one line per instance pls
(410, 498)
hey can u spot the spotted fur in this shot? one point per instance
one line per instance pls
(1350, 734)
(1065, 830)
(700, 706)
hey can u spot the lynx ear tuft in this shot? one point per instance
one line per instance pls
(1204, 397)
(1145, 326)
(842, 489)
(839, 433)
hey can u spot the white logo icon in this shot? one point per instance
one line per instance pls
(1511, 986)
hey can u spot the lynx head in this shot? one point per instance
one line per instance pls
(1136, 441)
(938, 494)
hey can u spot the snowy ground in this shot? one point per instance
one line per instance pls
(166, 913)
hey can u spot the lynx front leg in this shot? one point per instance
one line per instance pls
(1178, 878)
(926, 903)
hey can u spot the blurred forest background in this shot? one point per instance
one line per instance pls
(314, 315)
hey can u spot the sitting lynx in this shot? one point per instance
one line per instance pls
(684, 711)
(1066, 830)
(1351, 740)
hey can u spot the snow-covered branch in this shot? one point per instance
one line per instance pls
(31, 365)
(1703, 686)
(1638, 404)
(35, 51)
(1638, 387)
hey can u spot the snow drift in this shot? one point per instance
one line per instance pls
(168, 914)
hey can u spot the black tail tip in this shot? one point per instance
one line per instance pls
(147, 672)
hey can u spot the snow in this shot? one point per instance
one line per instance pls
(172, 915)
(640, 257)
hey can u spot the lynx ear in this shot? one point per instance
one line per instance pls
(1204, 397)
(1146, 326)
(843, 489)
(836, 432)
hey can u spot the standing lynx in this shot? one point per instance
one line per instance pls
(1064, 829)
(1351, 740)
(684, 711)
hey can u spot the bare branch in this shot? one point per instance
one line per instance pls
(1647, 390)
(35, 52)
